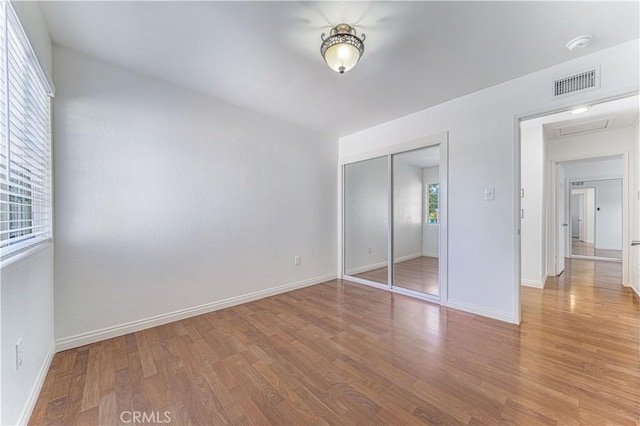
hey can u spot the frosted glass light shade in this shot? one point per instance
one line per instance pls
(342, 49)
(341, 57)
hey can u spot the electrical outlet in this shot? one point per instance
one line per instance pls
(369, 249)
(489, 194)
(297, 260)
(19, 353)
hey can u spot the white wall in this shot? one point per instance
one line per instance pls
(170, 203)
(431, 231)
(26, 295)
(533, 225)
(593, 170)
(483, 266)
(599, 144)
(366, 215)
(407, 216)
(27, 313)
(36, 28)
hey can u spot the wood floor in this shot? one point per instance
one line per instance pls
(419, 274)
(341, 353)
(582, 248)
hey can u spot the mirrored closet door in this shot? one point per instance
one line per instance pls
(394, 214)
(596, 219)
(416, 220)
(366, 220)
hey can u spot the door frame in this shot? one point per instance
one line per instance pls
(626, 213)
(553, 214)
(574, 224)
(567, 105)
(441, 139)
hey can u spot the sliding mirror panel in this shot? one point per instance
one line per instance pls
(596, 218)
(366, 220)
(416, 220)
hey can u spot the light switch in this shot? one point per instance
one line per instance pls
(489, 194)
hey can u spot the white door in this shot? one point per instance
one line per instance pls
(575, 215)
(562, 220)
(581, 217)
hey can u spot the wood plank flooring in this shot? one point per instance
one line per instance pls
(582, 248)
(341, 353)
(419, 274)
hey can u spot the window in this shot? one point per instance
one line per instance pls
(25, 140)
(433, 202)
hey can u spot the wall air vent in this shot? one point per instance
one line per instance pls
(577, 83)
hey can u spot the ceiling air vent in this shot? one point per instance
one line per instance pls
(580, 82)
(585, 127)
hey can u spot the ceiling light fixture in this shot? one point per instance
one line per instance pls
(343, 48)
(580, 110)
(579, 42)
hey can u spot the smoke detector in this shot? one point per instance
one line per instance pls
(579, 42)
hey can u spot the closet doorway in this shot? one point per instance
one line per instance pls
(394, 221)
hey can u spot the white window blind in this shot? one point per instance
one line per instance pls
(25, 141)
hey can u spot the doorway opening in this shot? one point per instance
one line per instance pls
(578, 189)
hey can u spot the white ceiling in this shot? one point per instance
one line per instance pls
(265, 55)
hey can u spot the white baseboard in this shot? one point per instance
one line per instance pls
(133, 326)
(408, 257)
(532, 283)
(635, 280)
(434, 254)
(37, 386)
(481, 310)
(366, 268)
(373, 266)
(636, 291)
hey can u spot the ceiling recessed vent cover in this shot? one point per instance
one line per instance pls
(580, 82)
(590, 126)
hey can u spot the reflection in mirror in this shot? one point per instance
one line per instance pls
(596, 218)
(366, 219)
(416, 219)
